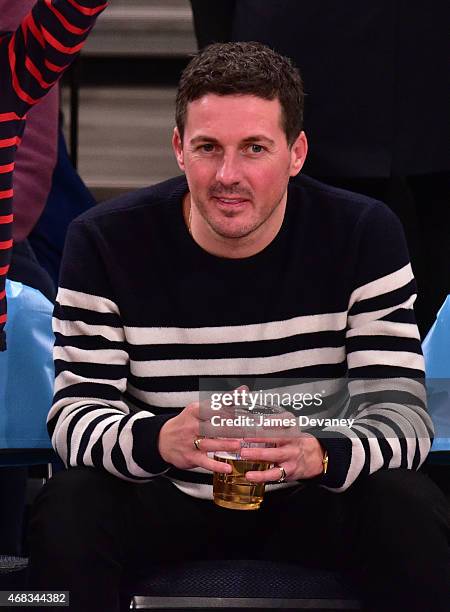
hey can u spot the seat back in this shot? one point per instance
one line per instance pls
(436, 350)
(244, 584)
(26, 370)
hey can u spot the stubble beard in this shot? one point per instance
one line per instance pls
(240, 231)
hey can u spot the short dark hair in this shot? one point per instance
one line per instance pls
(243, 68)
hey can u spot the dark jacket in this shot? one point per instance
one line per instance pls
(375, 76)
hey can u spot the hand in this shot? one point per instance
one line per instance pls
(301, 457)
(176, 443)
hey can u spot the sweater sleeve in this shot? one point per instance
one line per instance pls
(43, 47)
(90, 424)
(31, 61)
(391, 428)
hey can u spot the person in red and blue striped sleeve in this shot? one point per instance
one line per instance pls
(32, 59)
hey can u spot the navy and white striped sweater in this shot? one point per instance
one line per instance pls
(142, 312)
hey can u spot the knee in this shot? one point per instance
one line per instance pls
(70, 507)
(402, 484)
(405, 494)
(404, 521)
(77, 491)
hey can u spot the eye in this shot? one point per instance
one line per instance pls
(208, 147)
(256, 148)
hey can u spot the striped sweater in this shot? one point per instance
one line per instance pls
(142, 312)
(31, 60)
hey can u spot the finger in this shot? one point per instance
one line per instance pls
(200, 411)
(266, 440)
(273, 455)
(206, 403)
(282, 419)
(208, 445)
(276, 430)
(218, 428)
(210, 464)
(193, 409)
(242, 388)
(271, 475)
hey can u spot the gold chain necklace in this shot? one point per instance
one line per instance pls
(190, 218)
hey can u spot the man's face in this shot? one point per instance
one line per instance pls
(237, 163)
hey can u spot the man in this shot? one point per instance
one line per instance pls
(234, 271)
(362, 66)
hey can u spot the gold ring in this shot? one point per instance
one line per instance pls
(283, 474)
(197, 443)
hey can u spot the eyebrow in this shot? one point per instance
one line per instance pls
(202, 138)
(259, 138)
(249, 139)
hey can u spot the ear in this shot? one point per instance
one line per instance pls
(177, 145)
(298, 154)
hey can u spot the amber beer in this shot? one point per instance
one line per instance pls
(234, 490)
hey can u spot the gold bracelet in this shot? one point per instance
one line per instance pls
(325, 462)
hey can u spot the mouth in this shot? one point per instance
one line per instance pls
(234, 202)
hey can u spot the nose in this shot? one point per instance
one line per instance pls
(229, 169)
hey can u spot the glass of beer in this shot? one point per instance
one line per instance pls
(233, 490)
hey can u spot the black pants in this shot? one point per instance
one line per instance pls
(90, 530)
